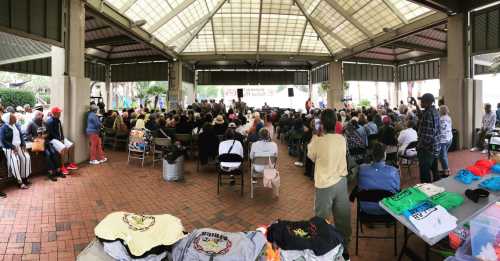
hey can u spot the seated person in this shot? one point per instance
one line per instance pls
(406, 137)
(230, 146)
(152, 123)
(256, 126)
(109, 119)
(238, 135)
(60, 143)
(207, 142)
(487, 125)
(263, 147)
(139, 122)
(13, 145)
(377, 176)
(220, 125)
(164, 131)
(387, 135)
(183, 127)
(120, 126)
(36, 129)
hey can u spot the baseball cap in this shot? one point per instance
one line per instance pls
(428, 97)
(231, 125)
(56, 109)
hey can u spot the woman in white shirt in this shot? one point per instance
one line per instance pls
(406, 137)
(445, 138)
(264, 147)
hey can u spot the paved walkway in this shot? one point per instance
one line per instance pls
(55, 221)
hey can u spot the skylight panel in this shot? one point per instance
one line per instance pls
(170, 29)
(312, 45)
(349, 33)
(352, 6)
(310, 5)
(376, 16)
(282, 24)
(196, 11)
(332, 43)
(151, 11)
(279, 7)
(279, 43)
(118, 4)
(327, 16)
(410, 10)
(202, 43)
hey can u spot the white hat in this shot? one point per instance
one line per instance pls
(231, 125)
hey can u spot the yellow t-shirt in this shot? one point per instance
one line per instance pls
(329, 155)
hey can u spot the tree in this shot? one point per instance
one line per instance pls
(142, 92)
(156, 91)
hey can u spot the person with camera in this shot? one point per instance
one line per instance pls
(428, 138)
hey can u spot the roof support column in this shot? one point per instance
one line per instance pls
(70, 90)
(174, 85)
(462, 95)
(335, 92)
(109, 89)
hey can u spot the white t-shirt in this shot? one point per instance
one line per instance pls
(433, 221)
(445, 133)
(224, 147)
(263, 149)
(16, 136)
(406, 137)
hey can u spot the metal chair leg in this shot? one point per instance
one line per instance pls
(395, 239)
(357, 235)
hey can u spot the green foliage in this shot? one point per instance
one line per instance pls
(364, 102)
(13, 97)
(209, 91)
(156, 90)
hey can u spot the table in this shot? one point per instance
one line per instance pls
(464, 213)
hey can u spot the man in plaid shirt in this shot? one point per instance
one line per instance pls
(428, 142)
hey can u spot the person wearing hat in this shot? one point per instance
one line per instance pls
(93, 130)
(57, 139)
(14, 147)
(237, 134)
(220, 125)
(428, 138)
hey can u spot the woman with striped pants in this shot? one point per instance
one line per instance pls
(14, 147)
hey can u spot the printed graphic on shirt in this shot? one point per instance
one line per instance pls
(311, 231)
(212, 243)
(138, 222)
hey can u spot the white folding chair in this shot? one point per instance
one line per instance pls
(256, 176)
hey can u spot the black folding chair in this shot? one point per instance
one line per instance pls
(225, 173)
(363, 218)
(407, 162)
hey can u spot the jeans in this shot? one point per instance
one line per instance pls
(52, 158)
(335, 200)
(427, 162)
(443, 154)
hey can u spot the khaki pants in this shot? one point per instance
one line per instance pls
(335, 200)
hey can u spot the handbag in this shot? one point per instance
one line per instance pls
(38, 145)
(271, 178)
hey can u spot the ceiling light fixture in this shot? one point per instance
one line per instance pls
(138, 23)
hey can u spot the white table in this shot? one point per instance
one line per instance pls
(463, 213)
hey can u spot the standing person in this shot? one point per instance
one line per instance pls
(309, 105)
(498, 115)
(93, 130)
(445, 138)
(14, 147)
(328, 152)
(428, 138)
(58, 141)
(487, 125)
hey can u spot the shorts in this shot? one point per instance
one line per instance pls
(59, 146)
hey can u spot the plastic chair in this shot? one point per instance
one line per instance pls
(222, 173)
(255, 176)
(159, 144)
(363, 218)
(120, 138)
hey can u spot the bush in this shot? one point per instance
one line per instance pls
(13, 97)
(364, 102)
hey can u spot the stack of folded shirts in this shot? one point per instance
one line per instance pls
(431, 220)
(404, 200)
(314, 240)
(128, 236)
(466, 177)
(481, 167)
(492, 184)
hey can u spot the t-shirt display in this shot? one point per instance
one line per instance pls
(140, 233)
(492, 184)
(466, 177)
(429, 189)
(448, 200)
(308, 255)
(431, 220)
(208, 244)
(404, 200)
(315, 234)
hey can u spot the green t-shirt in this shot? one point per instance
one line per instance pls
(448, 200)
(404, 200)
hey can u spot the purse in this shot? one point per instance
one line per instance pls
(272, 178)
(38, 145)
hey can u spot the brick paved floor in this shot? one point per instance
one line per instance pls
(55, 221)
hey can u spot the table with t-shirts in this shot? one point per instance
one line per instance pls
(463, 213)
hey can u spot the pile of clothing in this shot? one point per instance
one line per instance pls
(313, 240)
(426, 207)
(128, 236)
(477, 171)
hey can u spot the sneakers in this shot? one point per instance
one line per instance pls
(484, 151)
(23, 186)
(52, 177)
(298, 164)
(72, 166)
(103, 160)
(94, 162)
(474, 149)
(64, 170)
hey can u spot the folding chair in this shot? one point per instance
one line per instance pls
(255, 176)
(138, 146)
(407, 162)
(120, 138)
(224, 173)
(363, 218)
(108, 137)
(159, 144)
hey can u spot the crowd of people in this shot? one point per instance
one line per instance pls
(25, 128)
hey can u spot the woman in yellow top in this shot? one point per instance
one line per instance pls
(328, 151)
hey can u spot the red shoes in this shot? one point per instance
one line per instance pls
(72, 166)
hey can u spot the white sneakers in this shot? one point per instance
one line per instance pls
(474, 149)
(484, 151)
(298, 164)
(97, 162)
